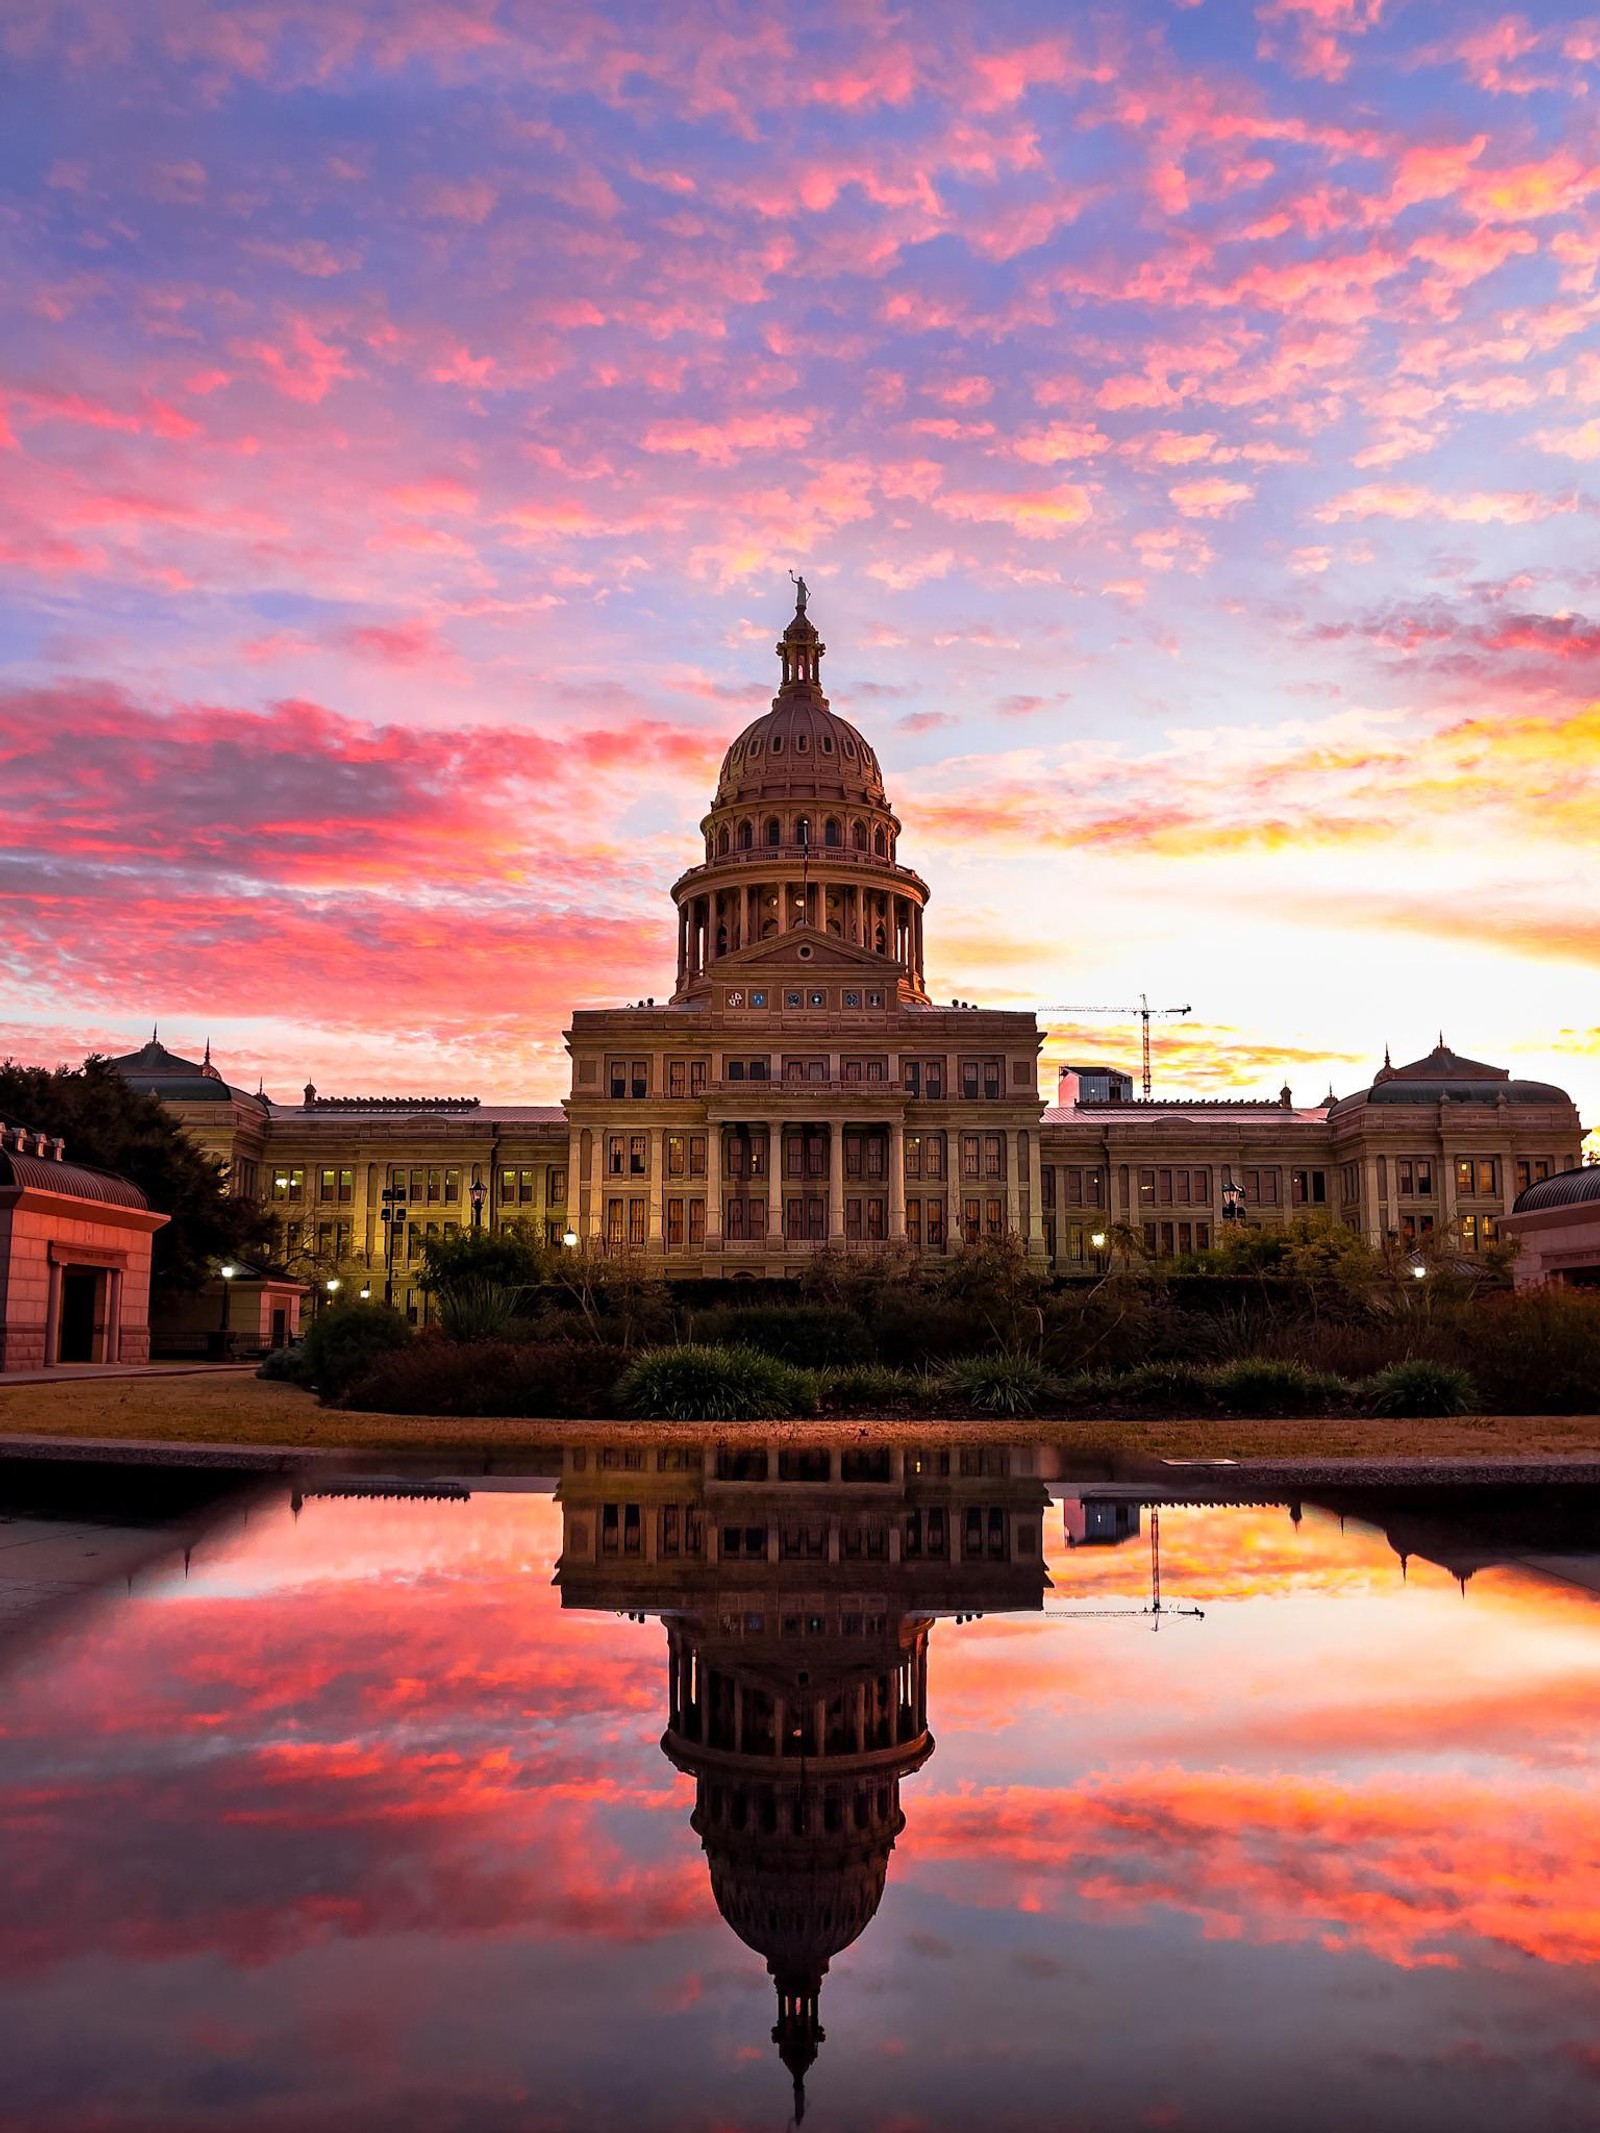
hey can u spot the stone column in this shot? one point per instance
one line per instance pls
(597, 1185)
(1373, 1224)
(1013, 1180)
(1036, 1198)
(658, 1166)
(897, 1181)
(52, 1316)
(835, 1180)
(713, 1186)
(775, 1183)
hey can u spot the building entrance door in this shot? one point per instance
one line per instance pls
(80, 1293)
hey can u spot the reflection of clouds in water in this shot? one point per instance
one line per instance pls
(364, 1815)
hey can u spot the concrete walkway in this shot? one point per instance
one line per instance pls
(66, 1373)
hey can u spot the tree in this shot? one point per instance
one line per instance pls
(109, 1126)
(509, 1258)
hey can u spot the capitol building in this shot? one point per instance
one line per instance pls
(800, 1089)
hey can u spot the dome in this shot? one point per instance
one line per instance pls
(804, 750)
(1568, 1188)
(801, 749)
(1443, 1076)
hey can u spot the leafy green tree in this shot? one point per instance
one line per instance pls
(109, 1126)
(509, 1258)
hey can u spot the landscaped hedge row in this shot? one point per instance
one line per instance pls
(705, 1382)
(1536, 1353)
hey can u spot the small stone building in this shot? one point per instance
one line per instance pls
(74, 1259)
(1557, 1224)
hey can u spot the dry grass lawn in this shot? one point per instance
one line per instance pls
(239, 1408)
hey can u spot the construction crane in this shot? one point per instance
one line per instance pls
(1155, 1608)
(1145, 1012)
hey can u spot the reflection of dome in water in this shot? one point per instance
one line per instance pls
(797, 1797)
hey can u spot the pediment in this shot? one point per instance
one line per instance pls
(826, 952)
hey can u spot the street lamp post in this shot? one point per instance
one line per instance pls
(478, 1195)
(394, 1229)
(227, 1272)
(1232, 1199)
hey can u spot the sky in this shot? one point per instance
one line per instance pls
(1185, 415)
(350, 1819)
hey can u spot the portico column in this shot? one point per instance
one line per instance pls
(835, 1179)
(713, 1186)
(1036, 1197)
(52, 1315)
(1013, 1181)
(597, 1159)
(658, 1164)
(1373, 1211)
(774, 1181)
(897, 1180)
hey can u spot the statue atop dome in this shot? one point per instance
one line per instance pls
(799, 593)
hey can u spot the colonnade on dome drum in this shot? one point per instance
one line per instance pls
(741, 898)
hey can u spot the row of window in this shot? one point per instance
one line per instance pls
(976, 1080)
(746, 836)
(935, 1533)
(426, 1185)
(745, 1219)
(1478, 1177)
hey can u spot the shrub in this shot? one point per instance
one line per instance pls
(913, 1330)
(1419, 1386)
(434, 1375)
(1009, 1383)
(286, 1365)
(1261, 1386)
(699, 1382)
(818, 1335)
(1538, 1352)
(343, 1341)
(479, 1309)
(1161, 1388)
(873, 1388)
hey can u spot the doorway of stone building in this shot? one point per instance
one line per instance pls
(80, 1297)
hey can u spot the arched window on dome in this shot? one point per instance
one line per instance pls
(724, 839)
(777, 744)
(858, 835)
(802, 829)
(802, 742)
(830, 830)
(747, 835)
(880, 843)
(825, 743)
(773, 831)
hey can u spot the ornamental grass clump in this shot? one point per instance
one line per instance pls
(1174, 1388)
(873, 1388)
(1420, 1386)
(707, 1382)
(1263, 1386)
(1011, 1382)
(343, 1341)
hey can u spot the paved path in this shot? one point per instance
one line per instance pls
(66, 1373)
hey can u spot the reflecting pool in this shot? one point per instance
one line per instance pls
(688, 1784)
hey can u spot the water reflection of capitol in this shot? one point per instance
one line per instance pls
(798, 1587)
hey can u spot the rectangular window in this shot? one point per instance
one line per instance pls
(972, 1155)
(994, 1218)
(638, 1211)
(638, 1155)
(933, 1217)
(698, 1070)
(615, 1216)
(327, 1184)
(677, 1155)
(1310, 1188)
(914, 1224)
(697, 1222)
(616, 1155)
(452, 1187)
(674, 1222)
(289, 1185)
(971, 1220)
(1531, 1169)
(697, 1155)
(555, 1185)
(677, 1076)
(994, 1155)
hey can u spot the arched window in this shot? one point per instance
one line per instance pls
(773, 831)
(858, 835)
(722, 940)
(880, 939)
(802, 829)
(880, 843)
(830, 830)
(724, 841)
(747, 835)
